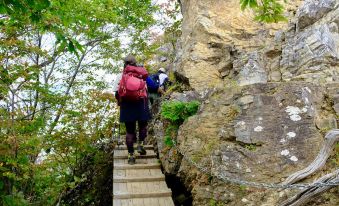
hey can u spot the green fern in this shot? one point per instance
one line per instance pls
(177, 112)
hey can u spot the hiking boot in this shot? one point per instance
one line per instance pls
(141, 150)
(131, 159)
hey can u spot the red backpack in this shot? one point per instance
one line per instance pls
(132, 86)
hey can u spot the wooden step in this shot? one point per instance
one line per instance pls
(136, 166)
(138, 161)
(140, 188)
(118, 179)
(147, 156)
(125, 152)
(124, 147)
(159, 201)
(163, 193)
(137, 173)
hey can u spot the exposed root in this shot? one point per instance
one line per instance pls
(330, 139)
(308, 194)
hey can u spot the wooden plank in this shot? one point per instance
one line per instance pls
(147, 156)
(119, 173)
(125, 202)
(116, 202)
(137, 188)
(119, 161)
(147, 201)
(137, 166)
(155, 172)
(139, 179)
(162, 202)
(130, 188)
(137, 172)
(137, 202)
(164, 193)
(168, 201)
(145, 187)
(125, 152)
(156, 186)
(121, 188)
(154, 202)
(123, 147)
(131, 203)
(157, 201)
(116, 187)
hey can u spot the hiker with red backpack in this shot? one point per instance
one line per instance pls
(132, 99)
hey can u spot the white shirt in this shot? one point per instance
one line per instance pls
(162, 78)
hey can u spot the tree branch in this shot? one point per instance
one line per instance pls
(36, 98)
(47, 62)
(57, 117)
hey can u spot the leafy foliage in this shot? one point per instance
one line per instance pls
(52, 110)
(248, 3)
(268, 11)
(171, 131)
(176, 113)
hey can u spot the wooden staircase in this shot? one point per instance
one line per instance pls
(142, 184)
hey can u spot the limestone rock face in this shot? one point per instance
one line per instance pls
(312, 11)
(251, 68)
(213, 32)
(262, 133)
(219, 42)
(311, 55)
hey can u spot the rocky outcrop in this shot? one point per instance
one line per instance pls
(270, 94)
(169, 156)
(260, 133)
(310, 53)
(214, 35)
(312, 11)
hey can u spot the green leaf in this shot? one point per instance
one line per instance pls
(71, 47)
(35, 17)
(78, 46)
(42, 4)
(2, 9)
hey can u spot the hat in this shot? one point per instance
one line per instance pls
(130, 59)
(163, 70)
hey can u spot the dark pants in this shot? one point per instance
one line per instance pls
(131, 133)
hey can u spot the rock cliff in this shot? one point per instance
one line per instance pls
(269, 93)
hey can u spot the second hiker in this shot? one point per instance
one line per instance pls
(156, 84)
